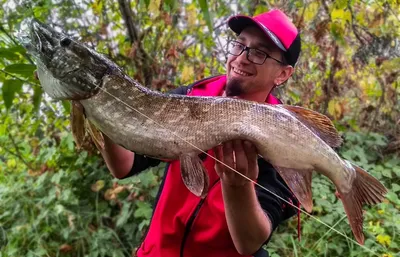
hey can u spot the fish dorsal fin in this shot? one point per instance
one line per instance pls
(320, 124)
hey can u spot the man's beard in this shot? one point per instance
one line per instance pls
(234, 87)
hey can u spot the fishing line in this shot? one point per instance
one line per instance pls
(244, 176)
(326, 233)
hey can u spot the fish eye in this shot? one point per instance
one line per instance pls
(65, 42)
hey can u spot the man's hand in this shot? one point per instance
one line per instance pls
(239, 155)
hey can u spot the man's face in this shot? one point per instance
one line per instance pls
(247, 78)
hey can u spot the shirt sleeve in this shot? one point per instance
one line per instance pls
(276, 209)
(142, 162)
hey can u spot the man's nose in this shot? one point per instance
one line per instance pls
(243, 57)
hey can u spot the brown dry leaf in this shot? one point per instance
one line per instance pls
(92, 228)
(103, 29)
(167, 18)
(118, 189)
(132, 52)
(339, 110)
(172, 53)
(321, 30)
(96, 187)
(65, 248)
(200, 71)
(109, 195)
(378, 21)
(34, 173)
(131, 197)
(187, 74)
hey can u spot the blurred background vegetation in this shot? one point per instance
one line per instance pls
(57, 200)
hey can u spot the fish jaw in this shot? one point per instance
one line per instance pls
(67, 69)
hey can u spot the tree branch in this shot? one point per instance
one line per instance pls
(353, 26)
(327, 86)
(378, 107)
(142, 59)
(127, 15)
(18, 153)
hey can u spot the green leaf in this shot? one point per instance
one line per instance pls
(168, 3)
(125, 214)
(395, 187)
(143, 223)
(68, 142)
(37, 97)
(10, 87)
(143, 210)
(387, 173)
(67, 105)
(8, 54)
(260, 9)
(23, 69)
(204, 8)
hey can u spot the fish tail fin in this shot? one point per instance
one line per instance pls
(365, 190)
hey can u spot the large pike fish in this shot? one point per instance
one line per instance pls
(295, 140)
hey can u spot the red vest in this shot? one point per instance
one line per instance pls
(182, 223)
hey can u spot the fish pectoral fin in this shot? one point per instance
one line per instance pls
(77, 120)
(299, 181)
(96, 135)
(320, 124)
(194, 174)
(365, 190)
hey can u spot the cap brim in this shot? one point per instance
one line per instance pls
(239, 22)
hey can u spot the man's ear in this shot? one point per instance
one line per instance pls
(284, 74)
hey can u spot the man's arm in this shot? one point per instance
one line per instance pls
(248, 224)
(118, 159)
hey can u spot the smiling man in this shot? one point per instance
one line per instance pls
(236, 218)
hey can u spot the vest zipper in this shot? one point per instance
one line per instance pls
(191, 220)
(189, 225)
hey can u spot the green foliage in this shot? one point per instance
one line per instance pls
(381, 223)
(57, 201)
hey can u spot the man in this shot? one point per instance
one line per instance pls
(236, 218)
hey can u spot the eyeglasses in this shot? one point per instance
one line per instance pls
(253, 55)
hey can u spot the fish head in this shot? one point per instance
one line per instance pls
(67, 69)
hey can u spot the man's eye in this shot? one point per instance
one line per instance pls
(259, 53)
(236, 45)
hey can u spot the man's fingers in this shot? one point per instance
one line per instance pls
(228, 154)
(251, 152)
(241, 159)
(219, 167)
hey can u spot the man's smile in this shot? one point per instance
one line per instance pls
(240, 72)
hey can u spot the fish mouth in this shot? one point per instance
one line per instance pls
(38, 38)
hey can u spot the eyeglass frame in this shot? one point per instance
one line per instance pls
(247, 49)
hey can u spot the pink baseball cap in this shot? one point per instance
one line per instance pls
(277, 26)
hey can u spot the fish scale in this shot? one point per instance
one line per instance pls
(295, 140)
